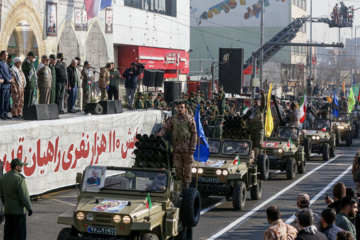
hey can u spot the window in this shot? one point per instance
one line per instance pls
(166, 7)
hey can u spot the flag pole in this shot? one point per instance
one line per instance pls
(197, 167)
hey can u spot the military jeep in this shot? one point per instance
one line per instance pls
(113, 204)
(230, 171)
(321, 139)
(285, 152)
(355, 118)
(343, 128)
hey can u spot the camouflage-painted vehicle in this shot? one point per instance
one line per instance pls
(320, 139)
(344, 128)
(285, 152)
(355, 118)
(113, 204)
(230, 171)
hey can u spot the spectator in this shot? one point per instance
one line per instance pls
(339, 191)
(131, 74)
(303, 202)
(349, 209)
(86, 83)
(9, 60)
(5, 86)
(74, 80)
(42, 63)
(114, 83)
(356, 171)
(278, 229)
(104, 80)
(328, 222)
(308, 230)
(17, 89)
(44, 81)
(207, 129)
(79, 95)
(61, 81)
(344, 235)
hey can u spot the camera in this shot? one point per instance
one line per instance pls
(141, 67)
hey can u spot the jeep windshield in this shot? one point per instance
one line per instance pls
(236, 148)
(214, 146)
(322, 124)
(98, 179)
(343, 117)
(289, 132)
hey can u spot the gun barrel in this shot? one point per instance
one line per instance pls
(145, 137)
(139, 137)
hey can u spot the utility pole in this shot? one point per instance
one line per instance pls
(311, 38)
(261, 43)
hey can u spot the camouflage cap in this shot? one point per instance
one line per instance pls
(303, 200)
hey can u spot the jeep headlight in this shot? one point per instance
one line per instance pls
(218, 172)
(193, 170)
(126, 219)
(90, 217)
(315, 137)
(117, 219)
(80, 216)
(225, 172)
(341, 127)
(200, 171)
(280, 151)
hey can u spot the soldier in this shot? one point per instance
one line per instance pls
(29, 71)
(219, 128)
(149, 102)
(216, 109)
(184, 96)
(324, 109)
(294, 115)
(208, 132)
(190, 109)
(53, 78)
(192, 97)
(255, 116)
(208, 104)
(202, 110)
(184, 138)
(227, 109)
(220, 100)
(140, 101)
(343, 105)
(157, 101)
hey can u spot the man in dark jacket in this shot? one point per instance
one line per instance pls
(29, 71)
(73, 81)
(61, 81)
(308, 230)
(207, 129)
(53, 78)
(131, 75)
(4, 86)
(328, 222)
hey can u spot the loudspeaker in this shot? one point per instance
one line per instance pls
(204, 86)
(93, 108)
(231, 69)
(41, 112)
(149, 78)
(172, 91)
(159, 78)
(108, 106)
(118, 106)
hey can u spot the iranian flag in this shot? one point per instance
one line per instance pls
(148, 202)
(303, 107)
(289, 143)
(323, 129)
(237, 160)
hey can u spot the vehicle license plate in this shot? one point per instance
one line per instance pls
(209, 180)
(272, 157)
(102, 230)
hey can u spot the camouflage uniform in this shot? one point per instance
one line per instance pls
(140, 104)
(343, 106)
(184, 137)
(220, 102)
(227, 109)
(218, 131)
(325, 110)
(280, 230)
(295, 118)
(149, 103)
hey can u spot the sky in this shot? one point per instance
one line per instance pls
(321, 31)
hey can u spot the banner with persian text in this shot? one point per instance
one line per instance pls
(56, 150)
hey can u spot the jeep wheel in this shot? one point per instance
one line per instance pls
(185, 234)
(337, 135)
(325, 151)
(239, 196)
(332, 151)
(307, 147)
(263, 166)
(290, 168)
(301, 167)
(348, 139)
(256, 190)
(65, 233)
(190, 207)
(356, 135)
(150, 236)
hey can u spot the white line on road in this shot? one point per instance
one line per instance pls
(321, 193)
(331, 164)
(257, 208)
(212, 206)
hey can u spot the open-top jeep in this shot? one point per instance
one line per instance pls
(320, 139)
(344, 128)
(285, 152)
(230, 171)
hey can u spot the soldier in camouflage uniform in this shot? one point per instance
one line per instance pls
(278, 229)
(343, 105)
(184, 138)
(140, 103)
(255, 117)
(294, 115)
(157, 101)
(219, 128)
(214, 105)
(202, 110)
(220, 100)
(325, 109)
(192, 97)
(202, 96)
(227, 109)
(149, 102)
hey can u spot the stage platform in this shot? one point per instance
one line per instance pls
(56, 150)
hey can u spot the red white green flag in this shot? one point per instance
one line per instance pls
(148, 202)
(237, 160)
(303, 107)
(289, 143)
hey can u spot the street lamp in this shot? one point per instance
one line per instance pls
(356, 28)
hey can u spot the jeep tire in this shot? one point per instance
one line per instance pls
(65, 233)
(263, 166)
(301, 167)
(332, 151)
(348, 139)
(307, 147)
(190, 207)
(256, 190)
(150, 236)
(325, 151)
(239, 195)
(290, 168)
(337, 137)
(356, 135)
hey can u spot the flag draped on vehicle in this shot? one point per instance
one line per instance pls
(303, 107)
(93, 7)
(202, 151)
(269, 122)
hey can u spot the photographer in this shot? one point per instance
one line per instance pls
(131, 75)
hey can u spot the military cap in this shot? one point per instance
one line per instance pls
(60, 55)
(31, 54)
(226, 99)
(17, 162)
(52, 56)
(202, 101)
(221, 119)
(198, 91)
(160, 95)
(208, 101)
(192, 93)
(191, 104)
(182, 93)
(202, 92)
(221, 86)
(150, 94)
(213, 100)
(140, 94)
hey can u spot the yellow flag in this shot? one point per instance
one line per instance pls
(343, 87)
(269, 122)
(329, 99)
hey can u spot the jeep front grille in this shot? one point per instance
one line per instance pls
(103, 218)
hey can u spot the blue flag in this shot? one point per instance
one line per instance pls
(354, 80)
(335, 106)
(202, 151)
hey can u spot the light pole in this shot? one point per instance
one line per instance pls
(311, 38)
(356, 28)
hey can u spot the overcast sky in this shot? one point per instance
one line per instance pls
(321, 31)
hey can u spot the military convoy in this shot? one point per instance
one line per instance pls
(230, 171)
(344, 129)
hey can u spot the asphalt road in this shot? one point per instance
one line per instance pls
(218, 219)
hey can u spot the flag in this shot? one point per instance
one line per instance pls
(354, 79)
(323, 129)
(237, 160)
(148, 202)
(289, 143)
(343, 87)
(269, 123)
(244, 110)
(329, 99)
(202, 151)
(303, 107)
(351, 100)
(359, 96)
(93, 7)
(335, 106)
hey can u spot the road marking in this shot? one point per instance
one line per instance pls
(331, 164)
(321, 193)
(257, 208)
(212, 206)
(60, 201)
(55, 193)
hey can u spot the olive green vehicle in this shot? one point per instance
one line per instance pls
(320, 139)
(112, 205)
(355, 118)
(230, 171)
(344, 128)
(285, 152)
